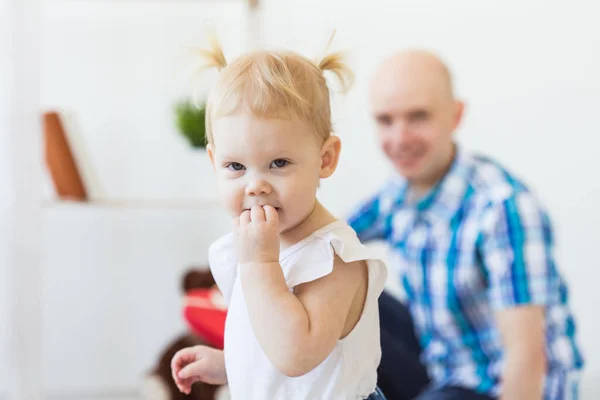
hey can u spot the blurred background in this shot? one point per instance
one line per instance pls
(90, 290)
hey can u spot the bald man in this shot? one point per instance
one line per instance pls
(489, 307)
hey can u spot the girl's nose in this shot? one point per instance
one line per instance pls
(258, 187)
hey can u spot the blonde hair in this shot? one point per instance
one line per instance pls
(274, 84)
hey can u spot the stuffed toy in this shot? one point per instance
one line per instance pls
(204, 313)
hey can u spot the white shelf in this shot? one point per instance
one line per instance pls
(112, 280)
(251, 3)
(135, 204)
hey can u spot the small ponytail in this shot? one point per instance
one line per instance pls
(334, 62)
(213, 56)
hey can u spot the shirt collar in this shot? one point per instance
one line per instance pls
(446, 197)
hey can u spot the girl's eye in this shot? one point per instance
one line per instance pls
(235, 166)
(279, 163)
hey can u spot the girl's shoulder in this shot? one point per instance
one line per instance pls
(314, 257)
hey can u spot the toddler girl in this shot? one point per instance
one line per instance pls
(302, 291)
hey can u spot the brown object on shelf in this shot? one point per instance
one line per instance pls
(59, 160)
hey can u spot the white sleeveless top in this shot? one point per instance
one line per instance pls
(350, 371)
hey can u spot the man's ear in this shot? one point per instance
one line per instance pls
(211, 154)
(458, 113)
(330, 155)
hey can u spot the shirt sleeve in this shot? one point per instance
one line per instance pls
(372, 220)
(517, 253)
(223, 264)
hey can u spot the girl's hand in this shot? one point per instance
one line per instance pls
(257, 235)
(198, 363)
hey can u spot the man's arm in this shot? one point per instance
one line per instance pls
(522, 331)
(517, 254)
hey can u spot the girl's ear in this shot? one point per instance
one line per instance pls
(330, 155)
(211, 154)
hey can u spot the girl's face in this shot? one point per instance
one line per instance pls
(276, 162)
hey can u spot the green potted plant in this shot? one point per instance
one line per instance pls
(190, 119)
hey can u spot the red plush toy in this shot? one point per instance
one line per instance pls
(205, 312)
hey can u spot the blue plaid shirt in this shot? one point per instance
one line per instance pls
(477, 243)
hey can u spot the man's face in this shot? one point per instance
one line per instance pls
(415, 120)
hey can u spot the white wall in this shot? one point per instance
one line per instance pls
(5, 71)
(20, 206)
(526, 69)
